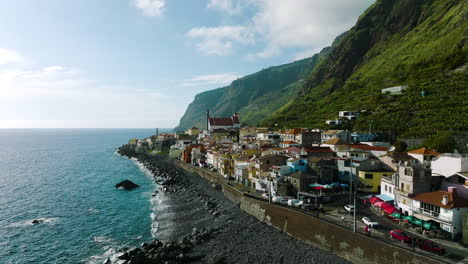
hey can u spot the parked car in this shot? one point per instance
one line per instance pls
(265, 195)
(430, 246)
(400, 236)
(349, 208)
(368, 222)
(292, 202)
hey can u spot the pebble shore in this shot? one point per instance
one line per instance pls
(208, 228)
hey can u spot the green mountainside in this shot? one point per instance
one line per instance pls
(421, 43)
(254, 96)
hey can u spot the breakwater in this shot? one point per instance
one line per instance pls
(318, 233)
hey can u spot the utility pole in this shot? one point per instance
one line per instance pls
(354, 218)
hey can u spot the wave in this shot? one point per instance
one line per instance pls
(30, 222)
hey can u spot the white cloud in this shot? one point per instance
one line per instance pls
(280, 25)
(305, 54)
(11, 57)
(150, 7)
(60, 96)
(219, 40)
(229, 6)
(212, 79)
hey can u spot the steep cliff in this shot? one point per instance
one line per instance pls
(421, 43)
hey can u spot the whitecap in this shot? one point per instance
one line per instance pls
(30, 222)
(93, 211)
(102, 239)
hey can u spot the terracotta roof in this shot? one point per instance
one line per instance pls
(318, 150)
(367, 147)
(289, 142)
(424, 151)
(335, 141)
(221, 121)
(294, 131)
(399, 156)
(435, 198)
(333, 132)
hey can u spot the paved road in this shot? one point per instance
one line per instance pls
(338, 216)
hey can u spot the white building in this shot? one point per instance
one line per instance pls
(341, 134)
(334, 122)
(424, 155)
(224, 123)
(449, 164)
(350, 115)
(395, 90)
(446, 208)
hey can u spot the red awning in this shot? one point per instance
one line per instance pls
(390, 210)
(374, 200)
(378, 204)
(318, 188)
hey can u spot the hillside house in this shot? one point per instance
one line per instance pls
(232, 122)
(394, 90)
(348, 115)
(341, 134)
(444, 207)
(424, 155)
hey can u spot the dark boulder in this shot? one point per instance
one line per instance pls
(37, 221)
(126, 185)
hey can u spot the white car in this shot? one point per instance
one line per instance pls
(368, 222)
(349, 208)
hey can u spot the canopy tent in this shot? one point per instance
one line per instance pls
(384, 197)
(408, 217)
(417, 221)
(388, 208)
(373, 200)
(318, 186)
(396, 215)
(315, 185)
(378, 204)
(427, 225)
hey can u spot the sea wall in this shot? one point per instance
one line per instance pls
(316, 232)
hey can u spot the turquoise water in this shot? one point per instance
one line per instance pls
(67, 178)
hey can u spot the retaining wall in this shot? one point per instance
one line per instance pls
(318, 233)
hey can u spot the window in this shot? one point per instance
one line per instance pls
(346, 173)
(430, 207)
(402, 186)
(347, 163)
(385, 187)
(390, 189)
(368, 176)
(408, 172)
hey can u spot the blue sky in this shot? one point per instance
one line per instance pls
(139, 63)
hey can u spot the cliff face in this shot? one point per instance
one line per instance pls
(254, 96)
(395, 42)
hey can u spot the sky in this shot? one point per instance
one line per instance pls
(139, 63)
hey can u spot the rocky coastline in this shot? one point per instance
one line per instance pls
(208, 228)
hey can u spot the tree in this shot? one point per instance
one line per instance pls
(442, 142)
(400, 146)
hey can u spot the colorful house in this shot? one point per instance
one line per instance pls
(370, 179)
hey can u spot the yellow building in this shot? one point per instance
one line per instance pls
(370, 180)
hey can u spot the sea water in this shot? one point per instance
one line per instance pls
(66, 178)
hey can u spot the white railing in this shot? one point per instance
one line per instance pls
(433, 214)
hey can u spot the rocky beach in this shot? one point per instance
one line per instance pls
(208, 228)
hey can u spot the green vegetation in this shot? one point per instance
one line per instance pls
(132, 141)
(254, 96)
(419, 43)
(443, 142)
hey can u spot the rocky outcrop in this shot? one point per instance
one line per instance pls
(126, 185)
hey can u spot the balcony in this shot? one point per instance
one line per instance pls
(432, 214)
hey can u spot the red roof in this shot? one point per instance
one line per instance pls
(435, 198)
(424, 151)
(224, 121)
(367, 147)
(318, 149)
(289, 142)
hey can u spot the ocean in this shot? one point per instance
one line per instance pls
(66, 178)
